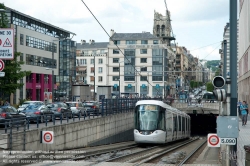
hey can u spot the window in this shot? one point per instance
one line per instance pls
(143, 78)
(144, 42)
(92, 70)
(115, 69)
(143, 51)
(157, 78)
(143, 60)
(115, 60)
(92, 78)
(21, 39)
(91, 61)
(155, 42)
(130, 41)
(83, 61)
(115, 78)
(143, 68)
(115, 51)
(117, 42)
(99, 69)
(99, 78)
(100, 61)
(129, 78)
(21, 57)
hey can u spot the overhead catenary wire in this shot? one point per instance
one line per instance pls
(117, 45)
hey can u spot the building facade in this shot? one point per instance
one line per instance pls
(43, 51)
(243, 52)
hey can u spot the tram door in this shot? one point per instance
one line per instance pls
(175, 126)
(169, 126)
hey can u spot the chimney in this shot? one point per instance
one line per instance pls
(83, 42)
(111, 32)
(90, 41)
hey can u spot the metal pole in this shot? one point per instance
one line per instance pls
(119, 79)
(94, 77)
(52, 87)
(233, 61)
(225, 59)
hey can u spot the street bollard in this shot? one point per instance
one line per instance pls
(247, 159)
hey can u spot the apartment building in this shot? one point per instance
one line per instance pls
(45, 49)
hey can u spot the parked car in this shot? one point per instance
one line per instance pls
(60, 109)
(92, 107)
(76, 108)
(26, 103)
(38, 113)
(9, 113)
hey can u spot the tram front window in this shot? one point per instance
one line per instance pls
(147, 117)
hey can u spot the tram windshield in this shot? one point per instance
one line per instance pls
(147, 117)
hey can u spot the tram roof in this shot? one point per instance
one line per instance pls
(162, 104)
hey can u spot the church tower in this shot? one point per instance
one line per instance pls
(162, 27)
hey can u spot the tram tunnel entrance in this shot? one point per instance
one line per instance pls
(202, 124)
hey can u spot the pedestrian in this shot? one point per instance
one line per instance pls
(243, 109)
(239, 111)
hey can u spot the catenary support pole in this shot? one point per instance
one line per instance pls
(233, 61)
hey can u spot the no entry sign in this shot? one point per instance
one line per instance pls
(1, 65)
(213, 140)
(47, 137)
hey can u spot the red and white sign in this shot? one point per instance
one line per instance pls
(47, 137)
(7, 43)
(1, 65)
(213, 140)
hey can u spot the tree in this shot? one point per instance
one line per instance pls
(9, 83)
(217, 73)
(192, 84)
(210, 86)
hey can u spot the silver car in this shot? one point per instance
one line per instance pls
(77, 108)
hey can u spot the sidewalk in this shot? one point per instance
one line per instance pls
(243, 139)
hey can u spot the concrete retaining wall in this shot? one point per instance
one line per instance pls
(103, 130)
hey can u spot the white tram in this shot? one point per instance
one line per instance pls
(157, 122)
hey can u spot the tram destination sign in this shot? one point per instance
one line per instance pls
(7, 43)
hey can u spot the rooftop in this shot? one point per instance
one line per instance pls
(92, 45)
(133, 36)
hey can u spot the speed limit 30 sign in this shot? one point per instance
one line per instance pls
(47, 137)
(213, 140)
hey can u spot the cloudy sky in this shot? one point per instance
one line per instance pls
(195, 23)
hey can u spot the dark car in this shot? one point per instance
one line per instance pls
(60, 109)
(10, 115)
(38, 113)
(92, 107)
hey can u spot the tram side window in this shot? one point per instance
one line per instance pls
(169, 123)
(175, 122)
(183, 123)
(179, 120)
(161, 122)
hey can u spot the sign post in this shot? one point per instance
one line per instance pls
(213, 140)
(7, 43)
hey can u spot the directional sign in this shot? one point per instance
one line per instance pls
(1, 65)
(47, 137)
(7, 43)
(213, 140)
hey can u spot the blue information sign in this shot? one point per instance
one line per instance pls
(129, 85)
(157, 86)
(143, 86)
(115, 85)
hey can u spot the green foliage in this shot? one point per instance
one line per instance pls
(9, 84)
(192, 84)
(217, 73)
(210, 86)
(213, 64)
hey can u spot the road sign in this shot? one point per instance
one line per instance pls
(1, 65)
(228, 141)
(2, 74)
(7, 43)
(115, 85)
(213, 140)
(47, 137)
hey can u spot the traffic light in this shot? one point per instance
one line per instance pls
(220, 94)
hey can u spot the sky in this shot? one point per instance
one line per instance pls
(195, 23)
